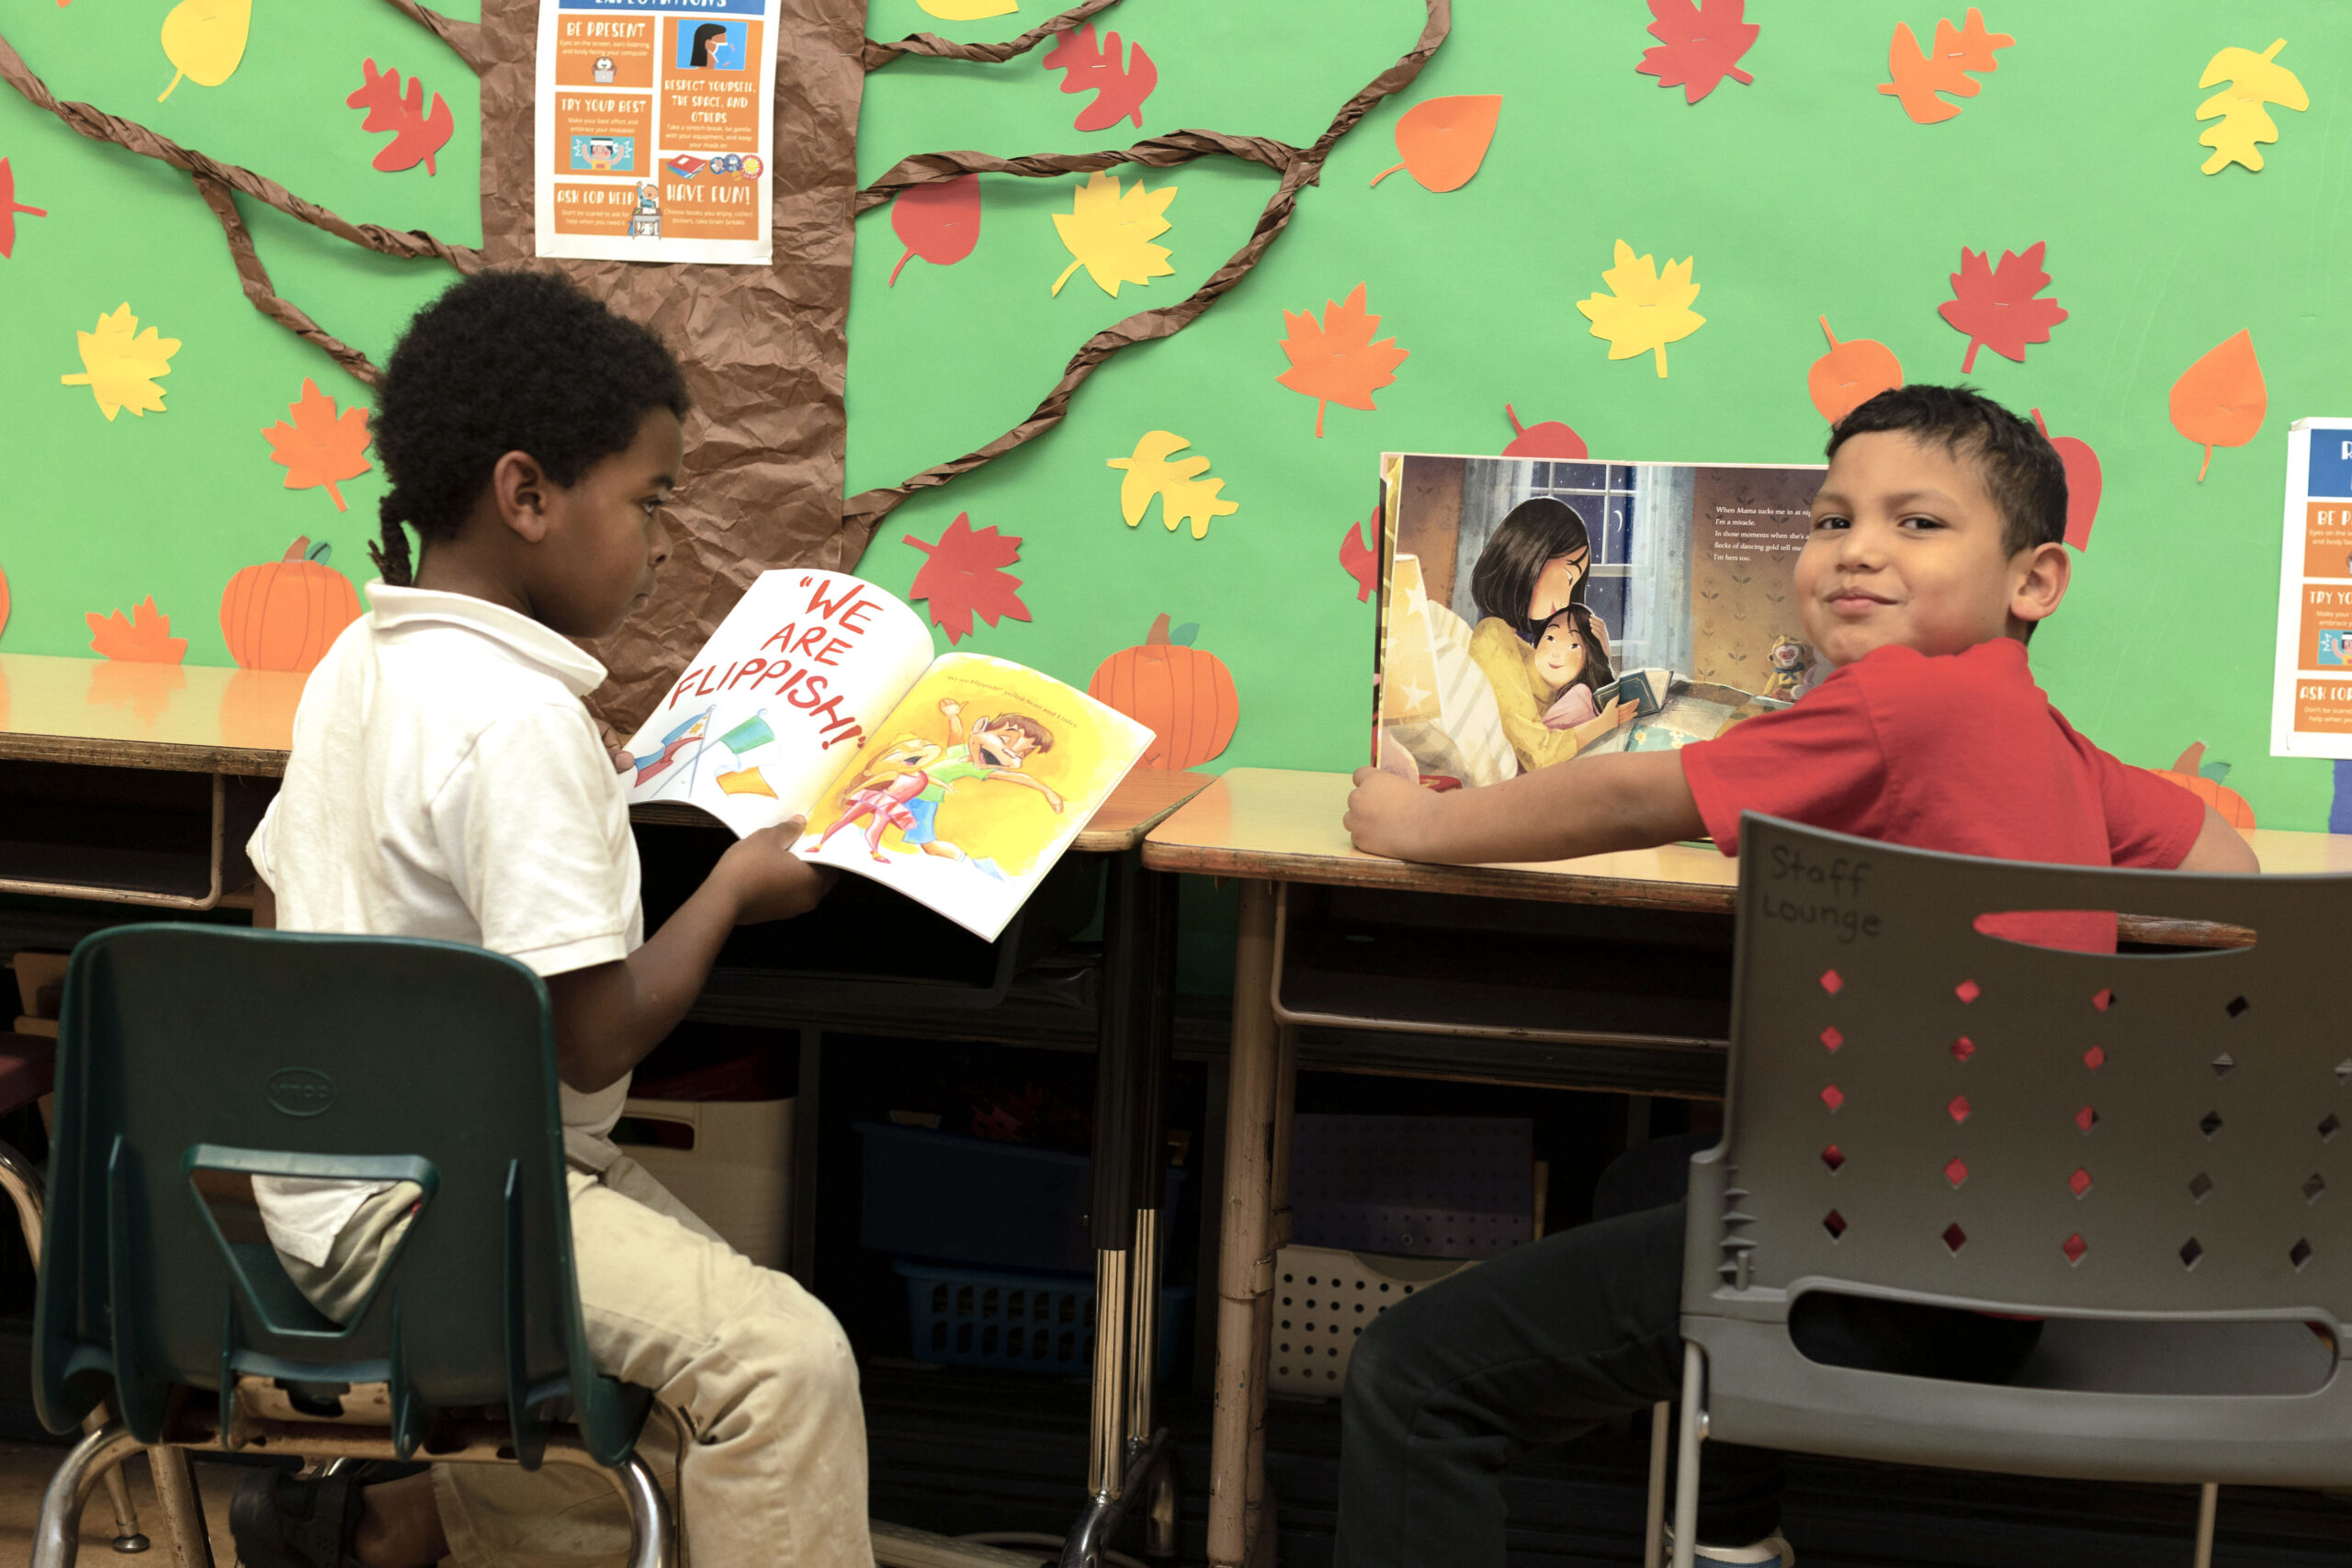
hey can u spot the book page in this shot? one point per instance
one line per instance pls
(795, 677)
(965, 795)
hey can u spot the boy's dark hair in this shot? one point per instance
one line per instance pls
(1532, 533)
(2021, 470)
(1039, 736)
(506, 361)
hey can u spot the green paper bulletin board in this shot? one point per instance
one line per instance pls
(1804, 194)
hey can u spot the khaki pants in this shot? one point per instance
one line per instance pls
(749, 1370)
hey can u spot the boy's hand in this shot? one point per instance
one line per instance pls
(767, 881)
(622, 762)
(1385, 813)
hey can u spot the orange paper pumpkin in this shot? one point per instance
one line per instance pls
(283, 614)
(1183, 695)
(2228, 802)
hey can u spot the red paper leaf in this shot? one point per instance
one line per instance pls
(938, 223)
(1119, 90)
(961, 577)
(145, 638)
(419, 134)
(1360, 559)
(1699, 45)
(1548, 439)
(9, 208)
(1996, 306)
(2084, 483)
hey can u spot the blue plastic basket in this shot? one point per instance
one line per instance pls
(1024, 1322)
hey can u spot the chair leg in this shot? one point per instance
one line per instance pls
(649, 1515)
(1686, 1480)
(128, 1537)
(183, 1506)
(57, 1533)
(1654, 1520)
(2209, 1502)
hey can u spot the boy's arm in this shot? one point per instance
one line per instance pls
(1628, 800)
(1010, 775)
(2219, 848)
(609, 1016)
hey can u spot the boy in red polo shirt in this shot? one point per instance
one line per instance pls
(1933, 553)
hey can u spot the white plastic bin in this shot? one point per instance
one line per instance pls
(1324, 1299)
(729, 1160)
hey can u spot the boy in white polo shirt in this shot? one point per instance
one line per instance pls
(446, 781)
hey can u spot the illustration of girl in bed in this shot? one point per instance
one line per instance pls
(1537, 643)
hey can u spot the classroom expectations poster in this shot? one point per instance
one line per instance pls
(656, 125)
(2311, 709)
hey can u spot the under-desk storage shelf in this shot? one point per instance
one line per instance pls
(126, 835)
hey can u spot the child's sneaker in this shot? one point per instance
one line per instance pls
(1772, 1551)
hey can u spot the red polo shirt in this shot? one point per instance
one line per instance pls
(1962, 753)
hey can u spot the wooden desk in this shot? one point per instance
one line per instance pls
(1274, 829)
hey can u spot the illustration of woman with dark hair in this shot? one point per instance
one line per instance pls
(1535, 635)
(709, 48)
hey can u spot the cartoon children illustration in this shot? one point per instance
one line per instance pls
(996, 748)
(901, 800)
(604, 71)
(646, 221)
(1792, 664)
(710, 48)
(602, 153)
(1530, 577)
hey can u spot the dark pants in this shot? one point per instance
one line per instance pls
(1548, 1341)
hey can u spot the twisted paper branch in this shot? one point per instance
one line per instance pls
(861, 514)
(878, 54)
(464, 39)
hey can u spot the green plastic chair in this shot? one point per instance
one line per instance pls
(2144, 1150)
(188, 1049)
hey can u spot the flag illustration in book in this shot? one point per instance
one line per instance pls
(748, 736)
(657, 762)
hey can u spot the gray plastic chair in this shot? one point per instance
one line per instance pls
(2147, 1150)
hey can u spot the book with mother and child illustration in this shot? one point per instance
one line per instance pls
(1535, 610)
(957, 780)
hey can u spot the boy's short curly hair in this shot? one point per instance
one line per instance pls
(2021, 470)
(506, 361)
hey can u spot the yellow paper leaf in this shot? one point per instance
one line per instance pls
(968, 10)
(2254, 80)
(206, 40)
(121, 370)
(1110, 233)
(1642, 312)
(1183, 497)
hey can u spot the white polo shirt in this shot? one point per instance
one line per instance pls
(446, 781)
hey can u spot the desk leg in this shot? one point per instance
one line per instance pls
(1246, 1239)
(1131, 1059)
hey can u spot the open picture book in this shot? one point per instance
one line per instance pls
(1533, 610)
(957, 780)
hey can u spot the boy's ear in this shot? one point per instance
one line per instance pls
(521, 489)
(2040, 577)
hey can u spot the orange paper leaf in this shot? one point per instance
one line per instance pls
(318, 448)
(1443, 141)
(1850, 374)
(1337, 362)
(2221, 400)
(9, 208)
(145, 638)
(1920, 74)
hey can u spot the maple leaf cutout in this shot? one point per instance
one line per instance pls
(9, 208)
(318, 448)
(1110, 233)
(1996, 305)
(1337, 362)
(1644, 311)
(963, 575)
(1119, 90)
(144, 638)
(1697, 45)
(121, 368)
(419, 135)
(2254, 80)
(1920, 76)
(1184, 496)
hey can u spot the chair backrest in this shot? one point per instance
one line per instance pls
(249, 1053)
(1919, 1109)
